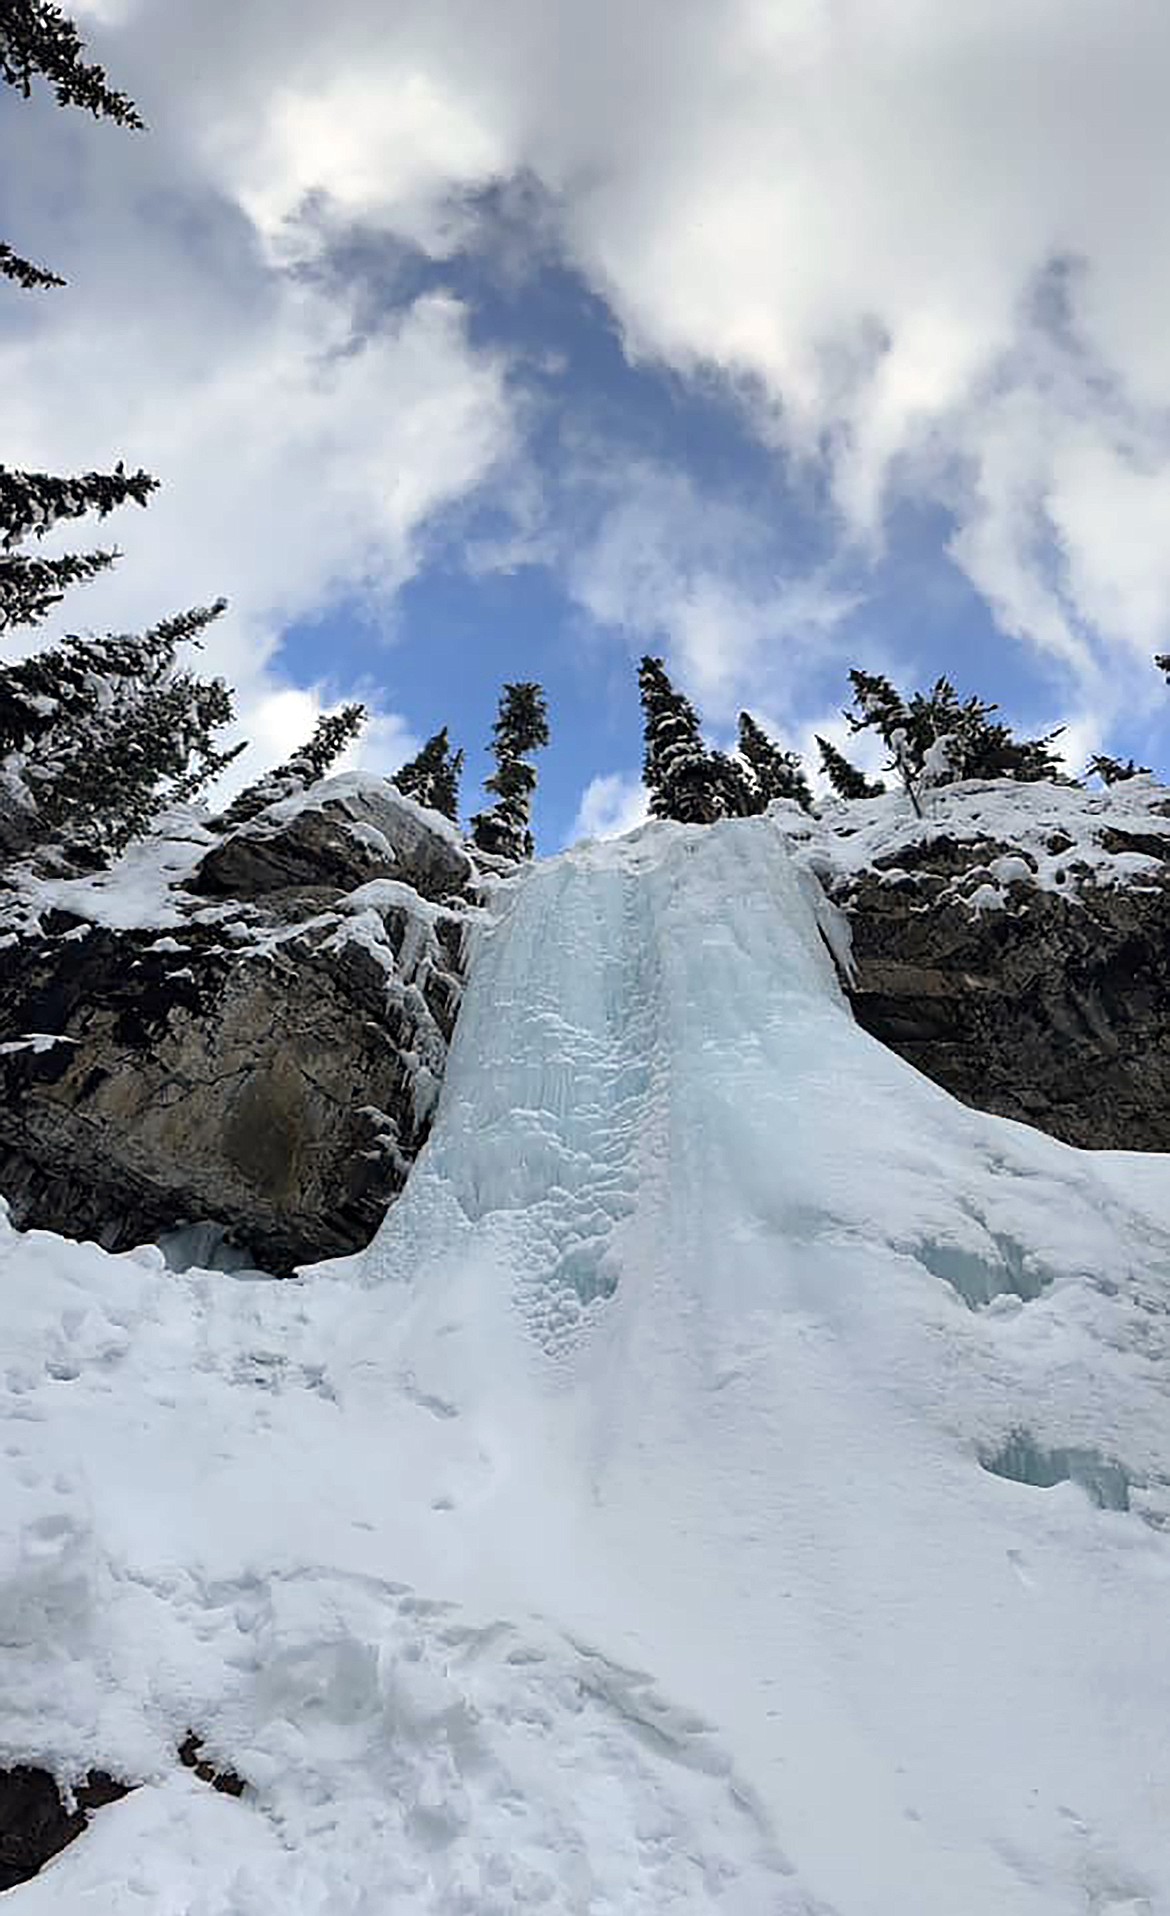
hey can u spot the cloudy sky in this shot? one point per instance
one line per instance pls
(487, 339)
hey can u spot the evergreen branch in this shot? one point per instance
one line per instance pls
(32, 278)
(32, 502)
(38, 40)
(30, 588)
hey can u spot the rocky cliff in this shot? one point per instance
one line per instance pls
(250, 1030)
(1014, 945)
(247, 1030)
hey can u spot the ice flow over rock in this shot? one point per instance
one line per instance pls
(736, 1479)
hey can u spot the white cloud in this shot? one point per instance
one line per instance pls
(610, 805)
(301, 462)
(679, 567)
(926, 243)
(845, 206)
(279, 721)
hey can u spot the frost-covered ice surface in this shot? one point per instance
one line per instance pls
(639, 1525)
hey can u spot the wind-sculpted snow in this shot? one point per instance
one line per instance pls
(707, 1495)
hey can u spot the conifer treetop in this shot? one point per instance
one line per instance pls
(685, 781)
(78, 676)
(99, 735)
(521, 728)
(521, 724)
(1113, 771)
(845, 777)
(38, 41)
(432, 777)
(331, 734)
(775, 772)
(977, 744)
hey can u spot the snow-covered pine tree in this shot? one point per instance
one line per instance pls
(31, 503)
(775, 773)
(936, 737)
(880, 708)
(61, 687)
(680, 774)
(330, 736)
(737, 794)
(844, 777)
(521, 728)
(432, 778)
(98, 736)
(37, 40)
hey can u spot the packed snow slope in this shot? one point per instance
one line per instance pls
(737, 1478)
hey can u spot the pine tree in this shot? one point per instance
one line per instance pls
(37, 40)
(1162, 661)
(843, 776)
(65, 685)
(310, 762)
(1111, 771)
(775, 773)
(432, 778)
(680, 774)
(936, 737)
(98, 736)
(151, 751)
(31, 503)
(521, 728)
(734, 787)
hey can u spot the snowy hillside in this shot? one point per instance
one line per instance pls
(735, 1480)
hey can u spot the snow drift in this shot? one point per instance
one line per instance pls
(736, 1479)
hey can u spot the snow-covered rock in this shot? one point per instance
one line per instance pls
(269, 1061)
(340, 833)
(1013, 944)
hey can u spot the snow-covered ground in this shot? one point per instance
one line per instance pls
(637, 1526)
(1065, 839)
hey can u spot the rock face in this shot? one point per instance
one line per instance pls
(1026, 970)
(269, 1064)
(36, 1823)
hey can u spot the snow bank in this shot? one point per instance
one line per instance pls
(628, 1530)
(140, 891)
(1058, 838)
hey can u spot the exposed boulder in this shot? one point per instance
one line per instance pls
(1015, 947)
(270, 1065)
(38, 1820)
(354, 830)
